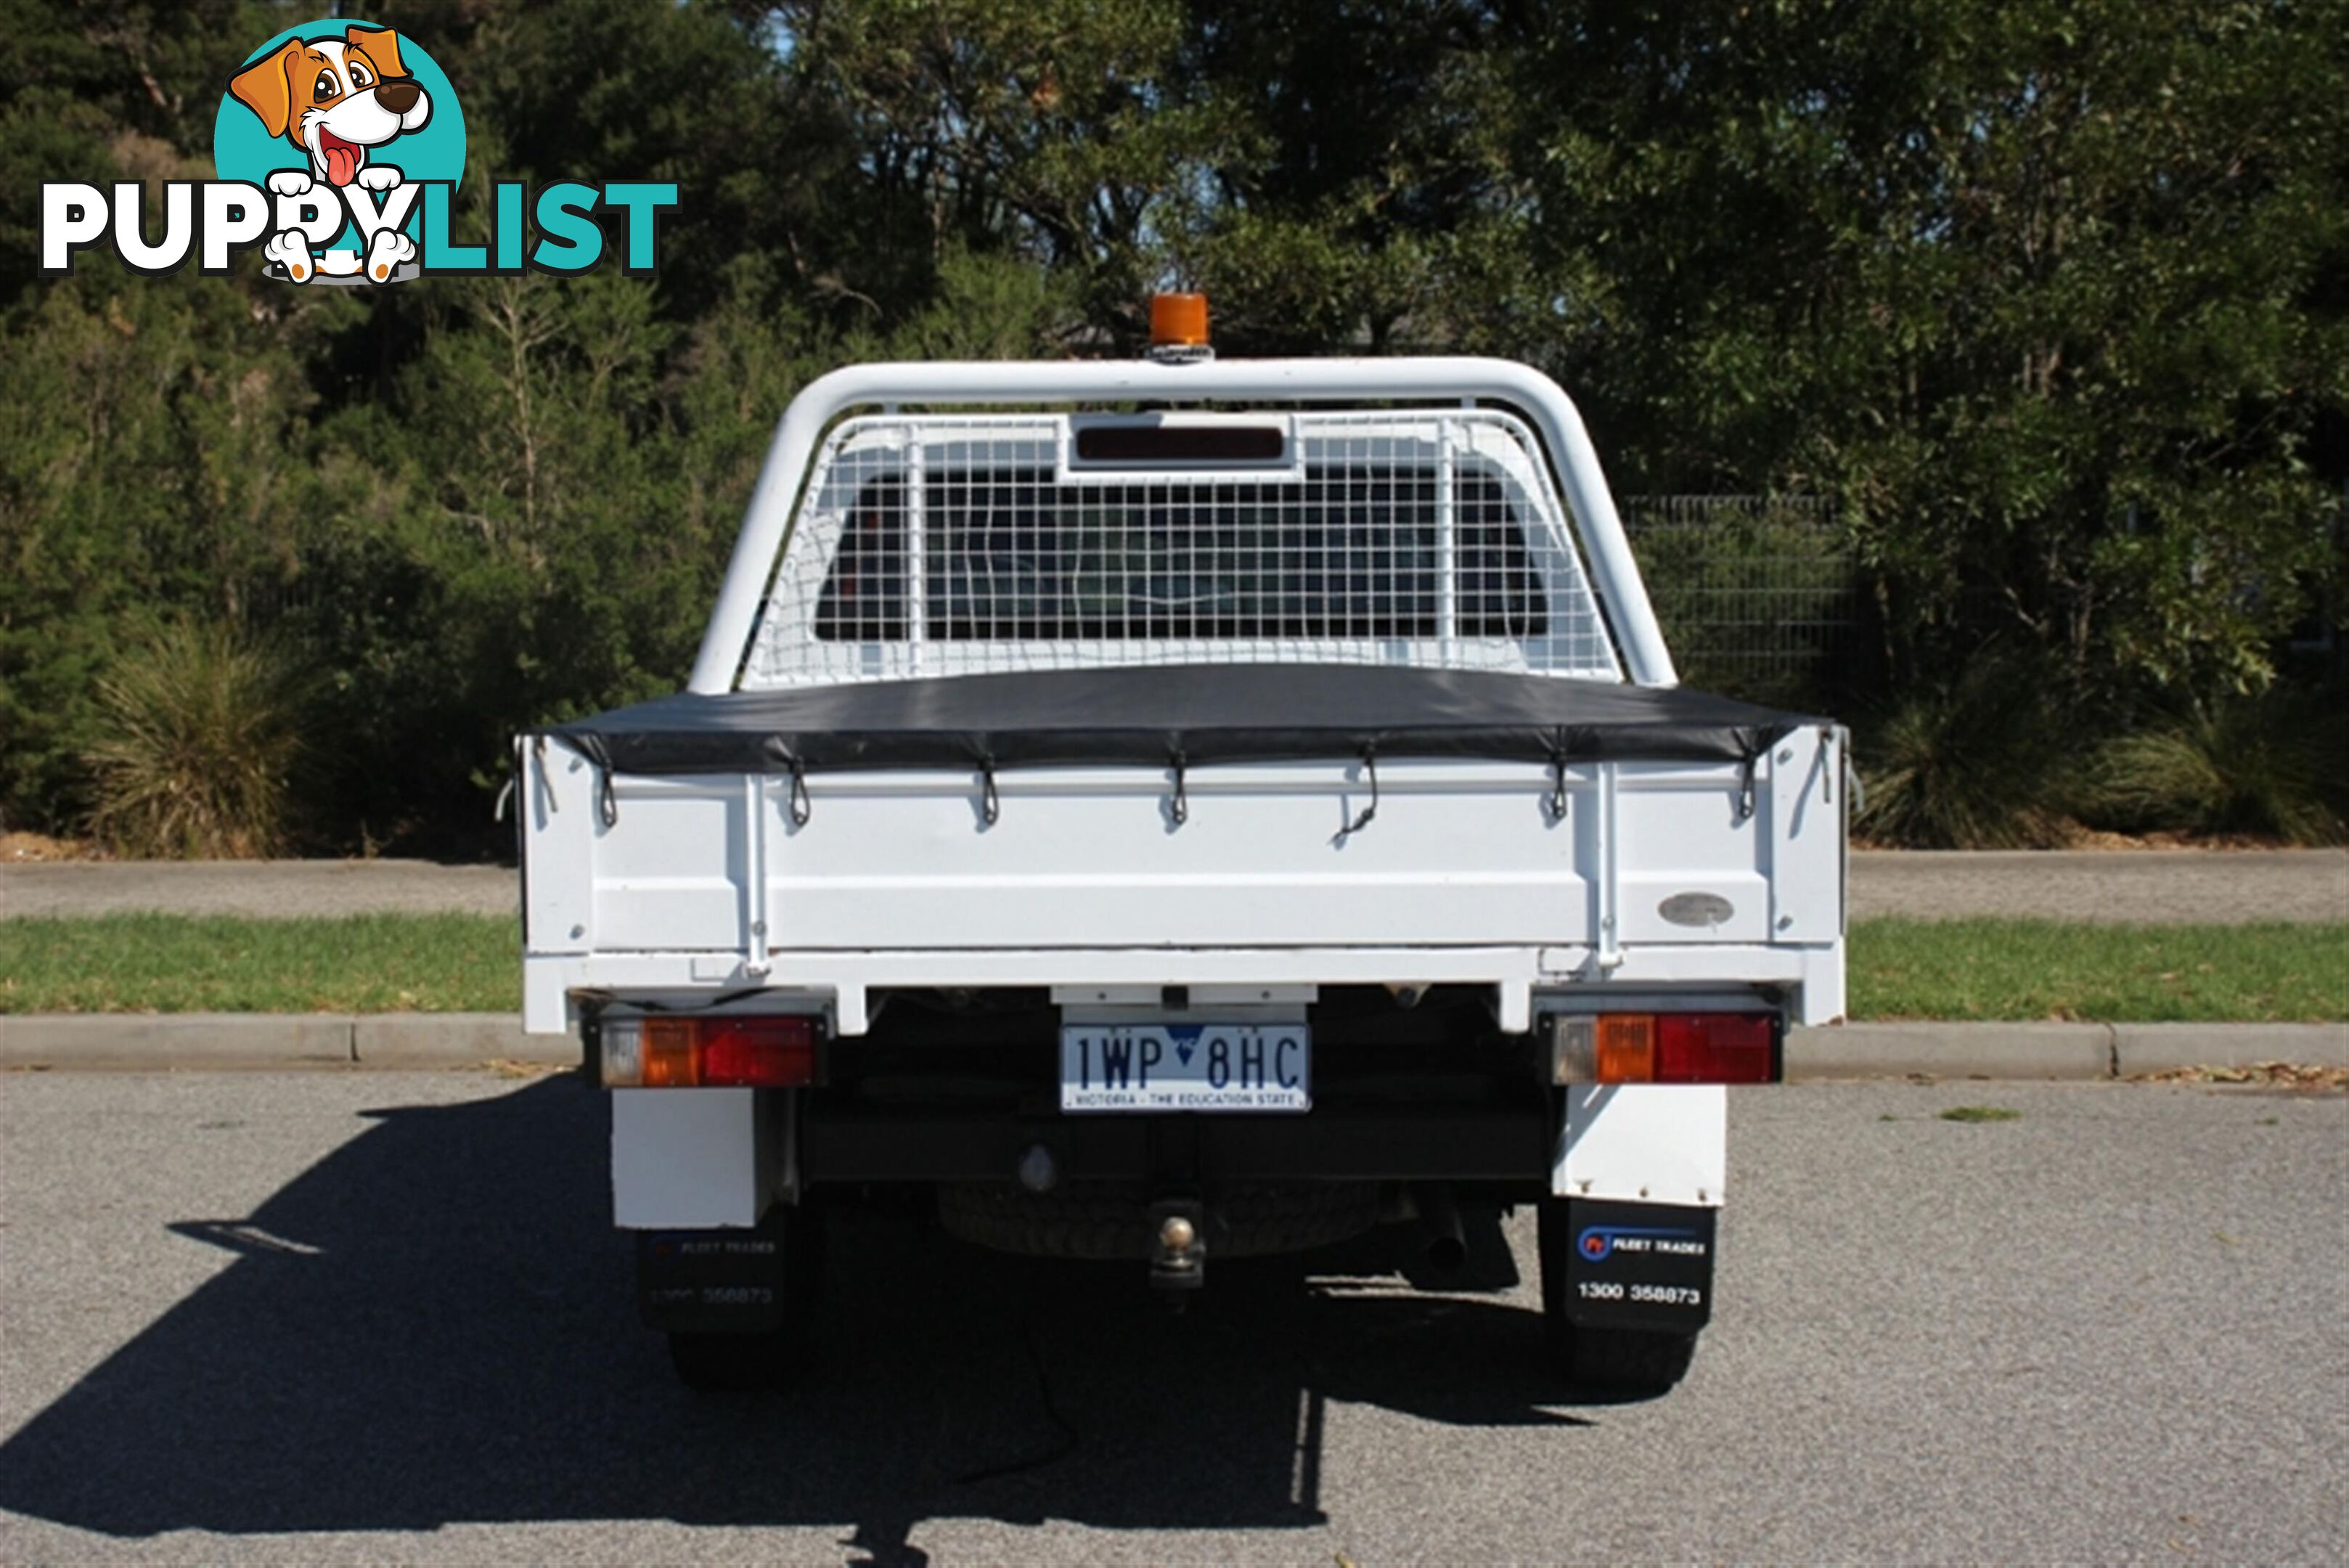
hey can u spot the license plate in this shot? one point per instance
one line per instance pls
(1187, 1067)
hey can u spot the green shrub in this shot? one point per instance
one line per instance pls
(2277, 762)
(201, 737)
(1980, 763)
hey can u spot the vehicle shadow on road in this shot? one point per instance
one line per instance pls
(434, 1324)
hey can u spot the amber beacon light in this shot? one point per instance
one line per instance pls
(1178, 321)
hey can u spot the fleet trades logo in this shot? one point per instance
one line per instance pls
(1599, 1242)
(340, 146)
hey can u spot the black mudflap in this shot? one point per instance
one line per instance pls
(717, 1281)
(1646, 1266)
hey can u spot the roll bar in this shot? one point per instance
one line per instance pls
(1533, 395)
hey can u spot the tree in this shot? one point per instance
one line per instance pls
(2053, 296)
(2033, 286)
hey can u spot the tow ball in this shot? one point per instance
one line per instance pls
(1178, 1249)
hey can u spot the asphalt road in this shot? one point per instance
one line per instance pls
(2157, 886)
(329, 1317)
(268, 888)
(2163, 885)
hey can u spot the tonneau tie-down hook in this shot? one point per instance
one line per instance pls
(801, 807)
(545, 784)
(1558, 784)
(1370, 767)
(1179, 808)
(607, 802)
(1746, 788)
(991, 807)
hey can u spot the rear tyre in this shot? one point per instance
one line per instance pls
(1618, 1360)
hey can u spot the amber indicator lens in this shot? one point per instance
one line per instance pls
(668, 1053)
(1626, 1048)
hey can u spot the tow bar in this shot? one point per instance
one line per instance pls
(1178, 1249)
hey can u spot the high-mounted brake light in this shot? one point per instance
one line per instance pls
(1664, 1048)
(721, 1052)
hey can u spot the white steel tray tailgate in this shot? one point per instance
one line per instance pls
(1459, 853)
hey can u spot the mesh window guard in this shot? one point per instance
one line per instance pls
(941, 545)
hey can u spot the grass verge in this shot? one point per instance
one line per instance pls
(197, 963)
(1958, 969)
(2007, 969)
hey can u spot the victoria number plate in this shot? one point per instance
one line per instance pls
(1187, 1067)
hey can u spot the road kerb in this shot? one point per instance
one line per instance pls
(2162, 1047)
(201, 1042)
(2061, 1051)
(445, 1039)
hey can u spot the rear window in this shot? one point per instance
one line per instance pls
(1009, 556)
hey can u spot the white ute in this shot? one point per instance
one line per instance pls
(1177, 810)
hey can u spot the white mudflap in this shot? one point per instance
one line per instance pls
(1644, 1143)
(688, 1159)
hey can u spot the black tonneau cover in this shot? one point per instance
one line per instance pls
(1177, 715)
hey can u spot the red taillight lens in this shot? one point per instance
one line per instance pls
(1715, 1048)
(758, 1052)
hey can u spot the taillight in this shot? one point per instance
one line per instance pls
(1664, 1048)
(723, 1053)
(1715, 1048)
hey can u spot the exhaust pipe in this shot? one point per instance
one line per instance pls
(1445, 1249)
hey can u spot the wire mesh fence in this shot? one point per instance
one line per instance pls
(1756, 593)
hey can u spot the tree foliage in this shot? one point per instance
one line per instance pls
(2051, 296)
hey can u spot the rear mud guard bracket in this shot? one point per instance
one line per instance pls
(1513, 1002)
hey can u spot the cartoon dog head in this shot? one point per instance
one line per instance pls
(335, 97)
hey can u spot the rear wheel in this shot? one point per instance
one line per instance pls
(1622, 1360)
